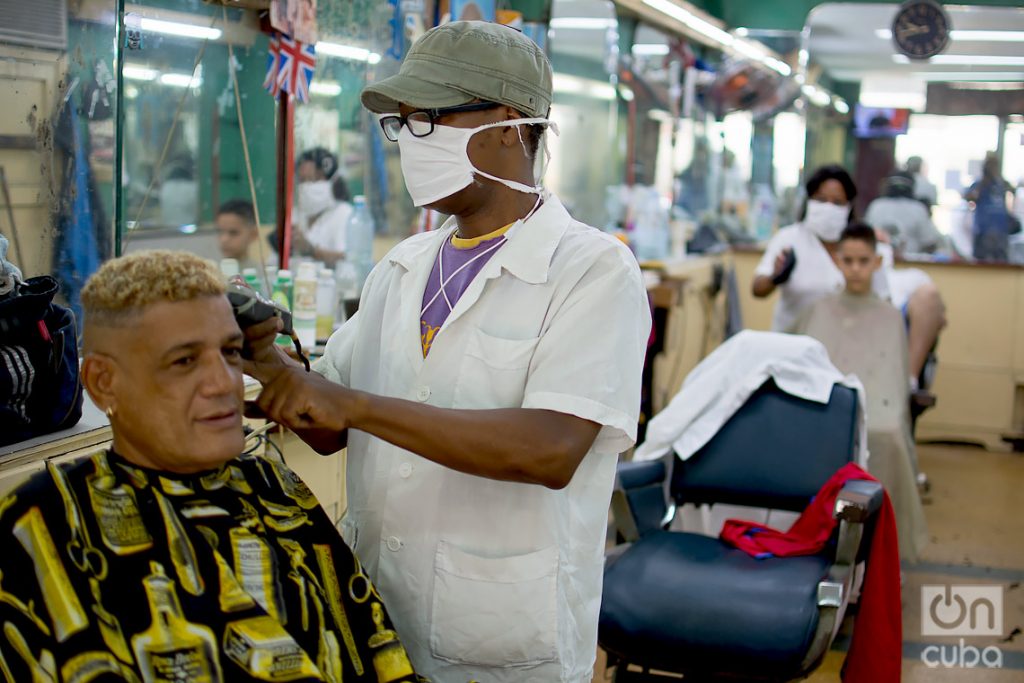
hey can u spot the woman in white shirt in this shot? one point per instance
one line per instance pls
(814, 274)
(812, 241)
(323, 207)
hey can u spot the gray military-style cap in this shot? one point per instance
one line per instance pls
(465, 60)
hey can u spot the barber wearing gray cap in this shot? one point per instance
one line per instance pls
(487, 383)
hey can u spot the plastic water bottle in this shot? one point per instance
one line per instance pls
(762, 214)
(326, 304)
(252, 278)
(229, 267)
(282, 296)
(346, 279)
(650, 231)
(304, 311)
(359, 240)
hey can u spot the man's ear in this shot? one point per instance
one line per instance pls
(99, 374)
(510, 135)
(878, 261)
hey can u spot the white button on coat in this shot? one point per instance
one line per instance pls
(394, 545)
(405, 470)
(423, 393)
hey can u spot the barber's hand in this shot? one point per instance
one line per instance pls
(784, 264)
(298, 399)
(261, 357)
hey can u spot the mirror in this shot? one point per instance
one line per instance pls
(944, 117)
(58, 138)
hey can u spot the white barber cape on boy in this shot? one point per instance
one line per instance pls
(484, 579)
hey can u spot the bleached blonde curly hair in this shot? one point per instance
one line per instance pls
(124, 286)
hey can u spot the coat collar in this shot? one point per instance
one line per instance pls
(527, 255)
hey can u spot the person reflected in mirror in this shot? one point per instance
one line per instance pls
(800, 262)
(903, 217)
(924, 190)
(237, 233)
(323, 207)
(992, 219)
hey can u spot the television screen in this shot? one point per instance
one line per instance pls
(879, 122)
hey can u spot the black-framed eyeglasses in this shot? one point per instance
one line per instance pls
(421, 121)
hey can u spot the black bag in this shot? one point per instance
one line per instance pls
(40, 389)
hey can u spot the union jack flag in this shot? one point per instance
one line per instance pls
(296, 67)
(270, 83)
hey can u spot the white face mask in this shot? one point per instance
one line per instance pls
(438, 165)
(826, 220)
(315, 197)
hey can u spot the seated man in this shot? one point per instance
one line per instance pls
(867, 337)
(173, 556)
(903, 218)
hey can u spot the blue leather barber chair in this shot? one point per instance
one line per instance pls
(690, 604)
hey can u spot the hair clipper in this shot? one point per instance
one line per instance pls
(251, 308)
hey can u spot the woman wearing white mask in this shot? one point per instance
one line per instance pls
(487, 383)
(799, 262)
(811, 242)
(322, 207)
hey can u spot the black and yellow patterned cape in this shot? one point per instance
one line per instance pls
(112, 572)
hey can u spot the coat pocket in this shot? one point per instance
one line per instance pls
(494, 611)
(493, 371)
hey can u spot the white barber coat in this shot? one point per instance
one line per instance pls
(485, 579)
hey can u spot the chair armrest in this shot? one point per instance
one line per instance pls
(858, 500)
(856, 503)
(638, 502)
(632, 475)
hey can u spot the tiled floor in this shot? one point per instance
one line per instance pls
(976, 522)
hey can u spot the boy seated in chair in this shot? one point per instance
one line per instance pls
(867, 337)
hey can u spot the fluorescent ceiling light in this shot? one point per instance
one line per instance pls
(967, 60)
(358, 54)
(1002, 76)
(990, 36)
(585, 23)
(139, 73)
(328, 88)
(742, 32)
(978, 60)
(816, 95)
(969, 85)
(705, 28)
(583, 87)
(966, 34)
(180, 80)
(898, 100)
(749, 49)
(176, 28)
(650, 49)
(841, 106)
(777, 65)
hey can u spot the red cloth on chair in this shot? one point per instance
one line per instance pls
(876, 649)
